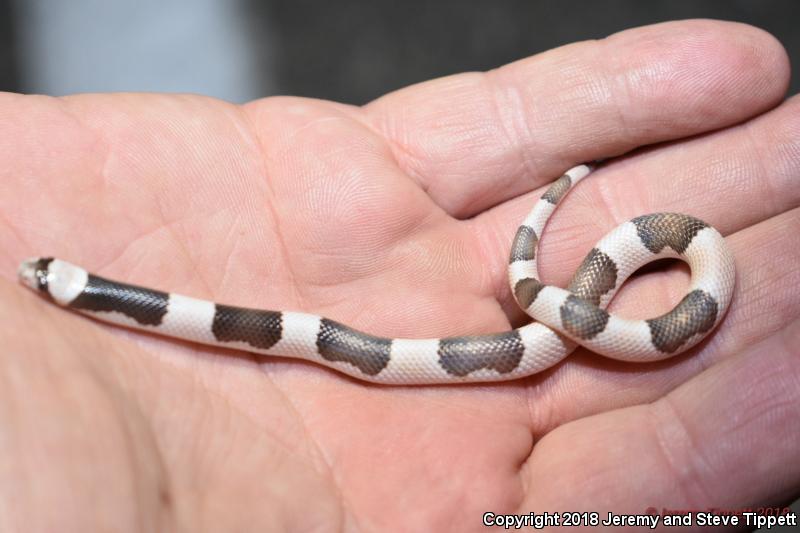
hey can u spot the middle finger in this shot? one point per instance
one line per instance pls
(731, 179)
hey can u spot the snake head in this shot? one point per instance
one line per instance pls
(33, 273)
(60, 280)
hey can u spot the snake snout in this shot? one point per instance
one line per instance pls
(27, 272)
(33, 272)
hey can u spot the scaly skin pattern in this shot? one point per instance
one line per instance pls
(564, 317)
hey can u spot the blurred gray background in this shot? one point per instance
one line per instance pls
(346, 50)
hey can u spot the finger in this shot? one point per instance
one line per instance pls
(766, 300)
(473, 140)
(707, 444)
(731, 179)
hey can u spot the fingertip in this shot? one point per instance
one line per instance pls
(726, 71)
(757, 56)
(767, 54)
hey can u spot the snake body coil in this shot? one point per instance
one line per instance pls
(564, 316)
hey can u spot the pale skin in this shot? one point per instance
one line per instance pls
(397, 218)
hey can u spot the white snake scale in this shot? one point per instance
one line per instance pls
(563, 317)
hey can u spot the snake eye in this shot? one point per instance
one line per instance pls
(41, 271)
(33, 272)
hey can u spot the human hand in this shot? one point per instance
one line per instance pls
(396, 218)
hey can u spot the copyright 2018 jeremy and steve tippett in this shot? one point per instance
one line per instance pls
(766, 517)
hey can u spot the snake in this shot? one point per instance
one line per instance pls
(563, 318)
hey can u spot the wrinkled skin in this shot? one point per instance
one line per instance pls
(396, 218)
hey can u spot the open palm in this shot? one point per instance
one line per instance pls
(396, 218)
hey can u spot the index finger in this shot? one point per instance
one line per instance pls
(477, 139)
